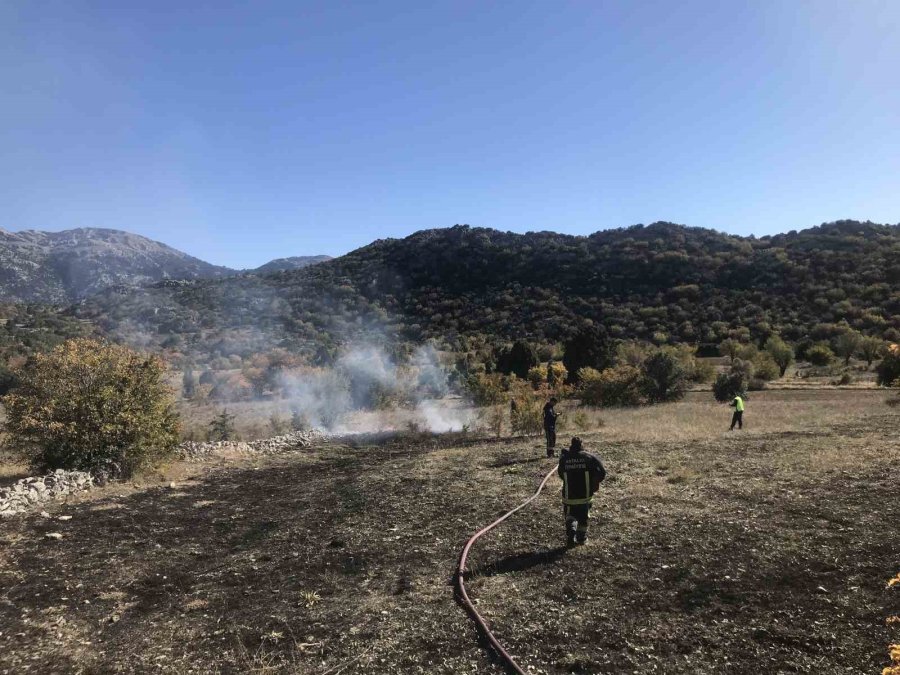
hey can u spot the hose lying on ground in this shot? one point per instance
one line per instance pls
(461, 586)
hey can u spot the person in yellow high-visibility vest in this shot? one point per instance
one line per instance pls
(738, 417)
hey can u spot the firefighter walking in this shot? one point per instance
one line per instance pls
(581, 473)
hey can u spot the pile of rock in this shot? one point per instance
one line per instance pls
(28, 492)
(196, 451)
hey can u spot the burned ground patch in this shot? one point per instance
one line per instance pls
(734, 554)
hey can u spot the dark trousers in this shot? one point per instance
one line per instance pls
(577, 522)
(737, 418)
(550, 433)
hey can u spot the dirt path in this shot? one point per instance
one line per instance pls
(707, 557)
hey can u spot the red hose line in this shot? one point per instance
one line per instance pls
(461, 586)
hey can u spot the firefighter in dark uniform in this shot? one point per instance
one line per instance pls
(581, 473)
(550, 416)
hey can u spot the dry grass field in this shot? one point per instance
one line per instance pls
(762, 551)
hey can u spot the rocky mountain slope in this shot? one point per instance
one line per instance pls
(286, 264)
(59, 267)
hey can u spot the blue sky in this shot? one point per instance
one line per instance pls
(245, 131)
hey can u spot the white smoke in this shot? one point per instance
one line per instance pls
(366, 377)
(440, 417)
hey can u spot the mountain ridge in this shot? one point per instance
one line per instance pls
(70, 265)
(661, 282)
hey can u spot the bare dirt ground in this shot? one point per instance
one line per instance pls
(765, 551)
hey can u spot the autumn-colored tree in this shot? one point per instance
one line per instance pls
(92, 406)
(616, 386)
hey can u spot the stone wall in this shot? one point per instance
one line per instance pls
(29, 492)
(197, 451)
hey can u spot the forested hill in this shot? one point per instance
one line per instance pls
(662, 282)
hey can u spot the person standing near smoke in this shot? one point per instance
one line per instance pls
(550, 416)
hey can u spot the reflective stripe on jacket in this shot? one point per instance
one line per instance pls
(581, 473)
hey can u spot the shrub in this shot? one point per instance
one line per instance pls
(537, 375)
(486, 389)
(819, 355)
(590, 347)
(889, 368)
(617, 386)
(757, 384)
(631, 353)
(518, 359)
(556, 374)
(765, 368)
(91, 406)
(703, 371)
(526, 417)
(662, 378)
(729, 385)
(222, 427)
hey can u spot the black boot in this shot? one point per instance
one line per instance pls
(571, 525)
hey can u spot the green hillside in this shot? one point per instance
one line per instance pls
(662, 282)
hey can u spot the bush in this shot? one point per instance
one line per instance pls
(765, 368)
(222, 427)
(631, 353)
(537, 375)
(486, 389)
(526, 416)
(729, 385)
(703, 371)
(556, 374)
(662, 378)
(590, 347)
(618, 386)
(518, 359)
(819, 355)
(757, 384)
(91, 406)
(889, 368)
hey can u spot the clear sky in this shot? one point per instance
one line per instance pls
(245, 131)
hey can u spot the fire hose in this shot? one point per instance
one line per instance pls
(504, 656)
